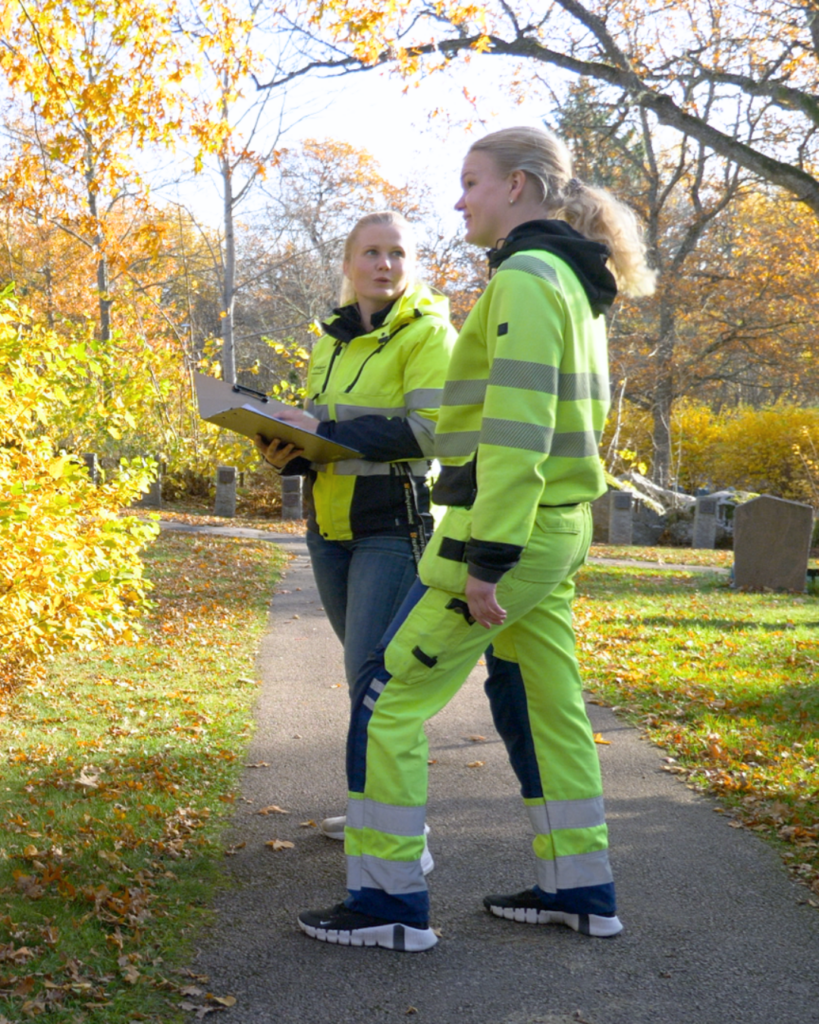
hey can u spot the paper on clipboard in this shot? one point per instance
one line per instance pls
(251, 413)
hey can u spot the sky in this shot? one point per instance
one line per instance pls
(375, 111)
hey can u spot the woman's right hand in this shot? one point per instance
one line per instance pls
(277, 453)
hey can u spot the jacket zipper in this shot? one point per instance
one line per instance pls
(336, 352)
(380, 348)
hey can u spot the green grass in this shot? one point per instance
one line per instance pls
(118, 773)
(726, 682)
(664, 556)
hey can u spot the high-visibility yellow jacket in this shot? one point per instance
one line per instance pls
(527, 394)
(377, 392)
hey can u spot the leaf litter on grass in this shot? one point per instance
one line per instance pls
(726, 682)
(119, 769)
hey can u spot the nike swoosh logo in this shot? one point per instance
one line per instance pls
(322, 923)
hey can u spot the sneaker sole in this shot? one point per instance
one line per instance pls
(400, 937)
(586, 924)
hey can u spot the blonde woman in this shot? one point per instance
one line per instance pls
(524, 405)
(374, 384)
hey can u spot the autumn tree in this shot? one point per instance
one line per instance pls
(70, 576)
(682, 63)
(728, 318)
(98, 81)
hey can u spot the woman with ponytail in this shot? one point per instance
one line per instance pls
(523, 408)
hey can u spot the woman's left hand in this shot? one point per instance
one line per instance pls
(483, 606)
(297, 418)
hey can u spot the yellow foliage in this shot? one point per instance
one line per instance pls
(772, 450)
(70, 576)
(756, 451)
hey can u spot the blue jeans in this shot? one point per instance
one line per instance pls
(362, 584)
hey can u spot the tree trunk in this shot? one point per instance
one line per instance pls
(228, 278)
(104, 300)
(663, 399)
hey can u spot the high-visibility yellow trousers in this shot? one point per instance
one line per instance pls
(537, 703)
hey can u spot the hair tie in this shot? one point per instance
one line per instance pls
(573, 186)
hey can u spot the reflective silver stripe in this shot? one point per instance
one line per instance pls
(575, 871)
(352, 412)
(557, 814)
(462, 442)
(368, 702)
(578, 445)
(531, 265)
(423, 398)
(360, 467)
(391, 818)
(574, 387)
(464, 392)
(531, 437)
(392, 876)
(521, 373)
(321, 412)
(378, 685)
(424, 431)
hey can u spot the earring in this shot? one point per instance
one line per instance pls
(511, 202)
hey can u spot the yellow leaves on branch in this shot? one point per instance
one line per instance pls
(98, 70)
(70, 575)
(377, 30)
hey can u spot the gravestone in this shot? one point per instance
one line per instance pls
(705, 522)
(152, 498)
(621, 519)
(600, 518)
(771, 544)
(646, 525)
(93, 466)
(291, 498)
(225, 504)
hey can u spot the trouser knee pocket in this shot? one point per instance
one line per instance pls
(430, 639)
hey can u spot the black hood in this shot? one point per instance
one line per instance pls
(346, 322)
(586, 258)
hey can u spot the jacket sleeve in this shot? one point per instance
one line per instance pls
(296, 467)
(378, 438)
(524, 323)
(399, 438)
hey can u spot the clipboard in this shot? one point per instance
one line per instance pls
(248, 412)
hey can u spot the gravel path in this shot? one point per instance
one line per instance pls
(714, 930)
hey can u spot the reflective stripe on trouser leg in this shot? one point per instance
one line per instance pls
(387, 757)
(568, 817)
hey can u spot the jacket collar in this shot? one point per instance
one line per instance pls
(345, 322)
(586, 258)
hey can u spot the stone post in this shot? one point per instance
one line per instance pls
(92, 465)
(152, 498)
(291, 498)
(705, 523)
(225, 504)
(621, 519)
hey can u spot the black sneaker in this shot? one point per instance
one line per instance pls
(348, 927)
(528, 908)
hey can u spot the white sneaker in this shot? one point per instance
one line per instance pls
(333, 828)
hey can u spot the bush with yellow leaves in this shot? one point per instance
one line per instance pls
(70, 573)
(773, 450)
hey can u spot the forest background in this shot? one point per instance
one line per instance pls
(166, 209)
